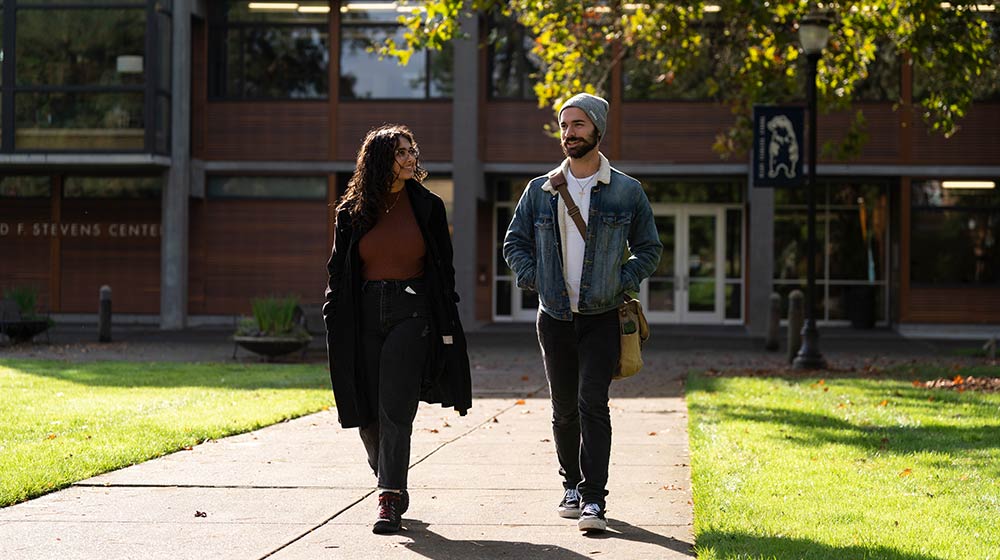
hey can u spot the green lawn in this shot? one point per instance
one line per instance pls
(844, 468)
(62, 422)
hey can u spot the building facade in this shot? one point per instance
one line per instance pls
(189, 153)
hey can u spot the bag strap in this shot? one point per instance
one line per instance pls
(558, 180)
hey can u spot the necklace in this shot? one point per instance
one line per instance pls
(581, 186)
(393, 205)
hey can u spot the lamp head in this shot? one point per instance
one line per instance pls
(814, 31)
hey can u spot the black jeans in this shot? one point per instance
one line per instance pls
(580, 357)
(395, 339)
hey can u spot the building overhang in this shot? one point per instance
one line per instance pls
(55, 163)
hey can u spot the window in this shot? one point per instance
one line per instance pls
(851, 244)
(257, 53)
(985, 87)
(26, 186)
(288, 188)
(83, 79)
(365, 26)
(113, 187)
(883, 79)
(513, 65)
(646, 77)
(954, 232)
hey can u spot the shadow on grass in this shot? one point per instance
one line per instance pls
(177, 374)
(817, 428)
(432, 545)
(741, 545)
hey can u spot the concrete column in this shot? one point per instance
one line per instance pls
(174, 228)
(468, 169)
(760, 245)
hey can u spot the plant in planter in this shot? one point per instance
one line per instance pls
(275, 328)
(19, 319)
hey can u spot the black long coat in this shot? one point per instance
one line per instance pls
(446, 376)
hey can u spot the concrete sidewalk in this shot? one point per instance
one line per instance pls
(482, 486)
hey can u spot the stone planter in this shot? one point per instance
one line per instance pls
(25, 330)
(271, 346)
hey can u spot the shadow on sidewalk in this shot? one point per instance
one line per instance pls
(432, 545)
(623, 531)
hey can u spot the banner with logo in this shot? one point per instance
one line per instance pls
(779, 145)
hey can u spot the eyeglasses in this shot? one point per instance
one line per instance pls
(403, 153)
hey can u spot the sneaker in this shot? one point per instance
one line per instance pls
(404, 503)
(592, 518)
(569, 507)
(389, 513)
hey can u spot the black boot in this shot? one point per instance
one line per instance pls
(390, 512)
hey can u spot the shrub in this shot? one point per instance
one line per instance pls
(26, 298)
(272, 316)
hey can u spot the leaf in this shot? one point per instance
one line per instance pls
(884, 403)
(652, 433)
(906, 472)
(520, 402)
(200, 514)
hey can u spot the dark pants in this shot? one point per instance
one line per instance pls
(395, 338)
(580, 357)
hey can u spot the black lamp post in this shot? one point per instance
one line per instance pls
(814, 31)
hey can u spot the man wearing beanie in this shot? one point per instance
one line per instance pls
(566, 242)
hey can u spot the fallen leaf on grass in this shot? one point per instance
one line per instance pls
(906, 472)
(51, 436)
(884, 403)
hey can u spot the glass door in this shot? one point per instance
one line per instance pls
(702, 284)
(660, 293)
(688, 285)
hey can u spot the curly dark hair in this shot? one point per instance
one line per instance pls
(368, 189)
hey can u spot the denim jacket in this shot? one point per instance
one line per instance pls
(620, 217)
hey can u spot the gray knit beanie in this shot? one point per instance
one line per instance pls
(595, 107)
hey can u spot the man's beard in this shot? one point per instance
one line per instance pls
(581, 149)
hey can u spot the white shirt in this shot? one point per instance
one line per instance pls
(579, 190)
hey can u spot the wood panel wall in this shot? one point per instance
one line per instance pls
(128, 262)
(24, 257)
(882, 126)
(977, 141)
(266, 131)
(673, 133)
(242, 249)
(513, 133)
(952, 305)
(430, 122)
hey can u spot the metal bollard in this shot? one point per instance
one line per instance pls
(991, 348)
(773, 321)
(104, 315)
(796, 316)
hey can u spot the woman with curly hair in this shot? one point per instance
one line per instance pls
(393, 332)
